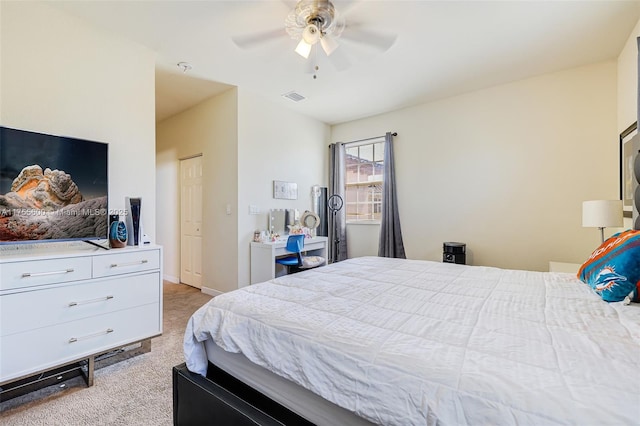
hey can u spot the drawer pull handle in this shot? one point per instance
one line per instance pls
(120, 265)
(89, 336)
(42, 274)
(84, 302)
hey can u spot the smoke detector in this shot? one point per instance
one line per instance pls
(184, 66)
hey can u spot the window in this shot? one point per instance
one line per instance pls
(364, 164)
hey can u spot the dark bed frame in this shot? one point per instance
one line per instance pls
(221, 399)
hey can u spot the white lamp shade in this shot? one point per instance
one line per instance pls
(311, 34)
(329, 44)
(602, 213)
(303, 49)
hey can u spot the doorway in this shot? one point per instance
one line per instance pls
(191, 221)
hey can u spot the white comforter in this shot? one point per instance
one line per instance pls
(403, 342)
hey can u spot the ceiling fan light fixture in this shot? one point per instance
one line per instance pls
(303, 49)
(329, 44)
(313, 21)
(311, 34)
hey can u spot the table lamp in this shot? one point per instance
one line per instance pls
(602, 214)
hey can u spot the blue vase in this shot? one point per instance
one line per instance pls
(117, 234)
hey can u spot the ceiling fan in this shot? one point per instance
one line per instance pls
(318, 22)
(312, 22)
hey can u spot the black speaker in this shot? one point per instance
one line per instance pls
(133, 206)
(319, 202)
(454, 253)
(323, 229)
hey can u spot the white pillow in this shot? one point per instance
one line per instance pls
(312, 261)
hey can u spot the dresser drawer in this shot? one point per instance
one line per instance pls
(128, 261)
(41, 272)
(35, 309)
(43, 348)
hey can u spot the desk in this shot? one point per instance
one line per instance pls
(263, 256)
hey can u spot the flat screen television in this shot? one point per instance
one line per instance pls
(52, 188)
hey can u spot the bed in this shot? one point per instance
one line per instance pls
(400, 342)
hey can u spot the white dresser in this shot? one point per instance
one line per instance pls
(60, 307)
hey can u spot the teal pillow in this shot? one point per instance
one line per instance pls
(613, 269)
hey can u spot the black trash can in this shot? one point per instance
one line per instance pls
(454, 253)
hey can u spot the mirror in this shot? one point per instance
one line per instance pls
(280, 219)
(310, 220)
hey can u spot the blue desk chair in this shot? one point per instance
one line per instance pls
(298, 262)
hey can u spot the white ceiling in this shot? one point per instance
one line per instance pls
(442, 48)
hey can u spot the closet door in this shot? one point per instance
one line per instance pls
(191, 221)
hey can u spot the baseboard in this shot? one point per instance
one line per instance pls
(210, 291)
(206, 290)
(171, 279)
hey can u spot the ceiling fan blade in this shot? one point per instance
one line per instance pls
(346, 8)
(378, 40)
(339, 59)
(311, 65)
(290, 4)
(248, 41)
(318, 59)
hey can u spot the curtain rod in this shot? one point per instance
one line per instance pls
(368, 139)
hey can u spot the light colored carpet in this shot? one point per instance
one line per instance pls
(136, 391)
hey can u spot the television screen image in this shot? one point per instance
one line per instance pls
(52, 188)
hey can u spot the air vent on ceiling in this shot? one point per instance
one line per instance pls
(294, 96)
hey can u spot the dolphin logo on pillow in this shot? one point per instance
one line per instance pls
(607, 278)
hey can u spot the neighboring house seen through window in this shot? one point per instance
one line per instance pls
(364, 164)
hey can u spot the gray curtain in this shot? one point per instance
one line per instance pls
(337, 221)
(391, 244)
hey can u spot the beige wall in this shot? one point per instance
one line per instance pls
(274, 143)
(210, 129)
(53, 81)
(628, 81)
(246, 142)
(505, 169)
(362, 239)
